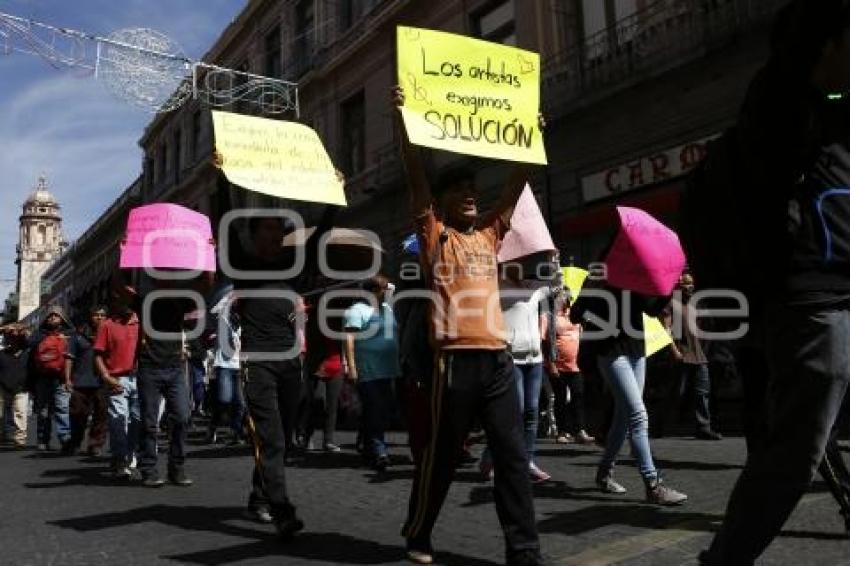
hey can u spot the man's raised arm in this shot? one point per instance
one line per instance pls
(420, 191)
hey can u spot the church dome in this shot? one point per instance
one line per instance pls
(41, 196)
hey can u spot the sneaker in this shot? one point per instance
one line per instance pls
(211, 437)
(583, 438)
(419, 556)
(607, 484)
(331, 447)
(659, 494)
(132, 464)
(237, 441)
(122, 473)
(288, 527)
(259, 513)
(178, 477)
(537, 475)
(708, 435)
(564, 438)
(20, 446)
(41, 447)
(420, 553)
(152, 479)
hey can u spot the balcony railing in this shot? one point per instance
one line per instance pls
(665, 34)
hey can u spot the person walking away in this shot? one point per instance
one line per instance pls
(371, 351)
(52, 393)
(473, 372)
(566, 377)
(621, 357)
(14, 366)
(88, 398)
(115, 347)
(692, 364)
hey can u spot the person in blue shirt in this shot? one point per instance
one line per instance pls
(371, 352)
(87, 396)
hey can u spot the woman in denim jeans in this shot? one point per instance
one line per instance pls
(621, 358)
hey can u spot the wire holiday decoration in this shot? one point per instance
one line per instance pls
(146, 68)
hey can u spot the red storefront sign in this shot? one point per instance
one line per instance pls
(647, 170)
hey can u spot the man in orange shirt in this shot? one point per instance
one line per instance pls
(473, 372)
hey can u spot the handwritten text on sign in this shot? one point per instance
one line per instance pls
(470, 96)
(165, 235)
(282, 159)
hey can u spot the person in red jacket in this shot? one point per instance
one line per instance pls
(52, 393)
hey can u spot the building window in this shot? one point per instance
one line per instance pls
(497, 22)
(196, 134)
(305, 35)
(353, 113)
(178, 151)
(273, 61)
(163, 159)
(352, 10)
(149, 171)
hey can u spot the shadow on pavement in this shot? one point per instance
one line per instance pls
(327, 547)
(551, 490)
(89, 476)
(676, 465)
(642, 516)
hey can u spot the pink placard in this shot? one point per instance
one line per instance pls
(529, 233)
(646, 256)
(165, 235)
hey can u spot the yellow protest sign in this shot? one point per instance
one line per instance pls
(470, 96)
(655, 335)
(282, 159)
(573, 278)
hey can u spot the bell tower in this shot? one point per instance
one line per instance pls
(39, 244)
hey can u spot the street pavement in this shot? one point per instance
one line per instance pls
(68, 511)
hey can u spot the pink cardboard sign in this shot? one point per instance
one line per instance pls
(646, 256)
(529, 233)
(167, 235)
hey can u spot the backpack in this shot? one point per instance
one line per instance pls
(50, 354)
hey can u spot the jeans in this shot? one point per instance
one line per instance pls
(14, 423)
(529, 378)
(198, 373)
(689, 376)
(154, 384)
(228, 398)
(378, 409)
(85, 402)
(625, 376)
(51, 404)
(809, 373)
(124, 421)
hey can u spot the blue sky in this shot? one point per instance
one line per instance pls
(68, 126)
